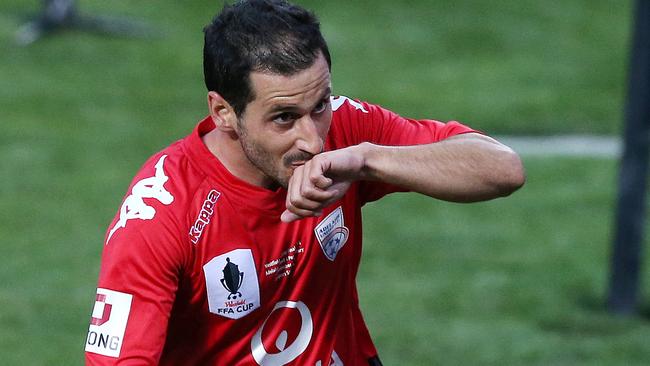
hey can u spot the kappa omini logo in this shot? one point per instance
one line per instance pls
(134, 206)
(332, 233)
(207, 210)
(108, 323)
(337, 102)
(232, 284)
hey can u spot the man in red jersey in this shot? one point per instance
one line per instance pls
(239, 244)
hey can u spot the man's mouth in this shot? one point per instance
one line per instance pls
(297, 160)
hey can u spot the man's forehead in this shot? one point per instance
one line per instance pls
(271, 89)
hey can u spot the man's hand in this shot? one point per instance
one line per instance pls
(322, 181)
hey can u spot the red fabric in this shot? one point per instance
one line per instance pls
(157, 262)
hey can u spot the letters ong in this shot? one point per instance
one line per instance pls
(204, 216)
(101, 340)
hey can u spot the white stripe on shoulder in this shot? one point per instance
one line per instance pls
(337, 102)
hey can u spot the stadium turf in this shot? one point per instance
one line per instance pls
(516, 281)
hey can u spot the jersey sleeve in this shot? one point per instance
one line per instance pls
(142, 262)
(365, 122)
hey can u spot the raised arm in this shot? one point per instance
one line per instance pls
(464, 168)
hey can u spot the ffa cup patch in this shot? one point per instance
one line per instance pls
(232, 285)
(332, 233)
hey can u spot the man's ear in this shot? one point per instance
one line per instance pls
(221, 111)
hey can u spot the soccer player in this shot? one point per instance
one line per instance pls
(239, 244)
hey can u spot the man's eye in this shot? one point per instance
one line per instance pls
(320, 107)
(284, 118)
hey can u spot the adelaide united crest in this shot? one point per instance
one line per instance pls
(332, 233)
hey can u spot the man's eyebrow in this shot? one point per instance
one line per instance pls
(284, 108)
(290, 107)
(327, 93)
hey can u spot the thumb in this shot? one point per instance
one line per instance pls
(288, 216)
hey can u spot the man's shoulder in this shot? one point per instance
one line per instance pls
(354, 121)
(342, 104)
(172, 165)
(346, 110)
(159, 192)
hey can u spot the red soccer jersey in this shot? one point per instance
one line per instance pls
(198, 269)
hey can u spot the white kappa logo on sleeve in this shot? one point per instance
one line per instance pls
(108, 323)
(135, 208)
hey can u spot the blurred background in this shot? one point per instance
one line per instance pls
(517, 281)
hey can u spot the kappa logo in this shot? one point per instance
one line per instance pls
(337, 102)
(108, 322)
(332, 233)
(207, 210)
(232, 284)
(134, 206)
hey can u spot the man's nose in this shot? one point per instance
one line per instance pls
(309, 140)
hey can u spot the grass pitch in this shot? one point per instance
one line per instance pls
(514, 281)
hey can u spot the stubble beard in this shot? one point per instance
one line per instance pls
(263, 160)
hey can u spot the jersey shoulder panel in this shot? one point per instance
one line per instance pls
(158, 198)
(350, 122)
(354, 122)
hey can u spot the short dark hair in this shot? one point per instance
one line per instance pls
(258, 35)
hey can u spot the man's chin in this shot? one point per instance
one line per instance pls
(283, 181)
(278, 182)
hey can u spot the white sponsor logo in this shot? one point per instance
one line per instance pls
(284, 265)
(134, 206)
(332, 233)
(108, 322)
(337, 102)
(207, 210)
(287, 353)
(232, 285)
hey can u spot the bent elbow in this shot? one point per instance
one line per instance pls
(513, 174)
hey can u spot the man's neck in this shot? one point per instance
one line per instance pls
(227, 148)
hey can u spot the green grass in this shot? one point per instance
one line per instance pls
(524, 67)
(520, 280)
(515, 281)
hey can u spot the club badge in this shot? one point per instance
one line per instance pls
(332, 233)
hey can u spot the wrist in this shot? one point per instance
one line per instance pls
(368, 153)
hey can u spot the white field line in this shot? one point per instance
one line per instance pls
(565, 145)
